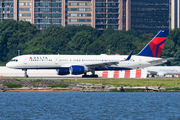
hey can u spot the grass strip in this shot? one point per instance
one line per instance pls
(59, 85)
(13, 85)
(113, 90)
(166, 82)
(175, 88)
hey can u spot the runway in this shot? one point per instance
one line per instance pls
(41, 73)
(52, 74)
(51, 77)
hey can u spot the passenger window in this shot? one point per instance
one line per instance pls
(14, 60)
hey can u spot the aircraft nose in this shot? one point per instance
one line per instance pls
(8, 65)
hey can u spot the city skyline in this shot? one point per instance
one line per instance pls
(142, 16)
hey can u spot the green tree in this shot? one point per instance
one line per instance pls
(80, 42)
(12, 34)
(97, 47)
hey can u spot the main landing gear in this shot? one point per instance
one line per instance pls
(93, 74)
(25, 73)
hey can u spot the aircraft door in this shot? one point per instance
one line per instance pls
(25, 61)
(57, 59)
(139, 63)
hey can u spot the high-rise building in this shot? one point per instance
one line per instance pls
(140, 15)
(149, 16)
(46, 13)
(6, 9)
(96, 13)
(175, 14)
(78, 13)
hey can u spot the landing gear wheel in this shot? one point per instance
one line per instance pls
(93, 76)
(26, 76)
(85, 76)
(96, 76)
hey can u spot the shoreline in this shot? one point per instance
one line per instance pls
(80, 90)
(31, 90)
(39, 85)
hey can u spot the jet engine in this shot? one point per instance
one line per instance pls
(77, 69)
(62, 71)
(160, 74)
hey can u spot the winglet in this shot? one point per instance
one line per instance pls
(129, 57)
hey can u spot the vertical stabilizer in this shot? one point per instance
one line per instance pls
(155, 46)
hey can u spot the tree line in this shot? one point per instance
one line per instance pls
(24, 36)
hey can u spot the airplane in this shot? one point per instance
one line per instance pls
(82, 64)
(161, 71)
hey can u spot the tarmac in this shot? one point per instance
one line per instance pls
(38, 73)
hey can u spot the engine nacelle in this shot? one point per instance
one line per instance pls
(77, 69)
(62, 71)
(160, 74)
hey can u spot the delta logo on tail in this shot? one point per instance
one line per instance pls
(155, 46)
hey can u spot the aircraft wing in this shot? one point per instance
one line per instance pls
(95, 65)
(101, 65)
(163, 60)
(152, 72)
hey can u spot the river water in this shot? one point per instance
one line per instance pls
(89, 106)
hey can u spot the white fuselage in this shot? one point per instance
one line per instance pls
(65, 61)
(163, 70)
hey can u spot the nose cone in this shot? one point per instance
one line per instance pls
(9, 65)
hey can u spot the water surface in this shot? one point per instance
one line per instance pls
(89, 106)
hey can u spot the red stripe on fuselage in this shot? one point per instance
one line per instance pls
(153, 44)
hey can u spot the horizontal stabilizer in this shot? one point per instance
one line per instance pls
(163, 60)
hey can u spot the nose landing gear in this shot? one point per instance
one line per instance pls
(25, 73)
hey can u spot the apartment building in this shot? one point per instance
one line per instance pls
(96, 13)
(6, 9)
(140, 15)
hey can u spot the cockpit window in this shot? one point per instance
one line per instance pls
(14, 60)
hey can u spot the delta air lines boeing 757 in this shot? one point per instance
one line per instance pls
(81, 64)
